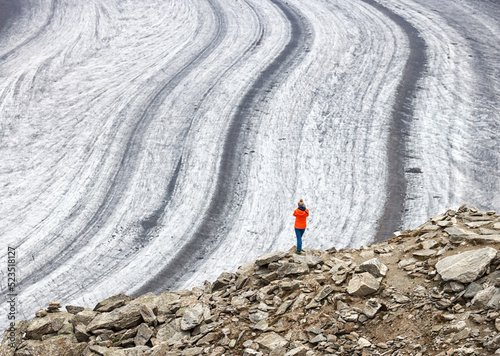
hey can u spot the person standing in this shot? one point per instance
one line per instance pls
(301, 214)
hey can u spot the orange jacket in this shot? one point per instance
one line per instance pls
(300, 218)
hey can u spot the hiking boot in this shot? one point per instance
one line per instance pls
(298, 252)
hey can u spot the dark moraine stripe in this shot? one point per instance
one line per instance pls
(224, 201)
(14, 7)
(399, 130)
(8, 10)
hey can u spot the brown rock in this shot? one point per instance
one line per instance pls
(73, 309)
(143, 335)
(112, 303)
(118, 319)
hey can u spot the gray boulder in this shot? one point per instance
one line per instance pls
(467, 266)
(363, 284)
(374, 267)
(455, 233)
(171, 333)
(192, 317)
(119, 319)
(112, 303)
(269, 257)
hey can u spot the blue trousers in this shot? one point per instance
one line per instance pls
(299, 233)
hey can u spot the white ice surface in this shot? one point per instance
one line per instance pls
(101, 100)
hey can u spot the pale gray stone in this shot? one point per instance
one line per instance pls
(258, 316)
(374, 267)
(261, 325)
(271, 341)
(192, 317)
(251, 352)
(192, 351)
(323, 293)
(267, 258)
(482, 298)
(289, 269)
(372, 306)
(444, 223)
(167, 303)
(494, 302)
(407, 262)
(363, 284)
(467, 266)
(143, 335)
(424, 254)
(476, 224)
(310, 260)
(239, 303)
(362, 342)
(317, 339)
(298, 351)
(483, 239)
(171, 333)
(429, 244)
(147, 314)
(284, 307)
(84, 317)
(455, 233)
(485, 231)
(148, 299)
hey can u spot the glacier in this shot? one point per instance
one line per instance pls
(152, 145)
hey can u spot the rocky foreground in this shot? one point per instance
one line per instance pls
(429, 291)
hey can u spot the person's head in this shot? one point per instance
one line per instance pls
(301, 203)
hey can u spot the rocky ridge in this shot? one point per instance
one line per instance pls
(434, 290)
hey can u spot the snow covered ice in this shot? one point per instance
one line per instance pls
(154, 144)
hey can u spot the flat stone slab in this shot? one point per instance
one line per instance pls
(267, 258)
(424, 254)
(271, 341)
(483, 239)
(467, 266)
(293, 269)
(456, 233)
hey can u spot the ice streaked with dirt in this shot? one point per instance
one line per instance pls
(139, 140)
